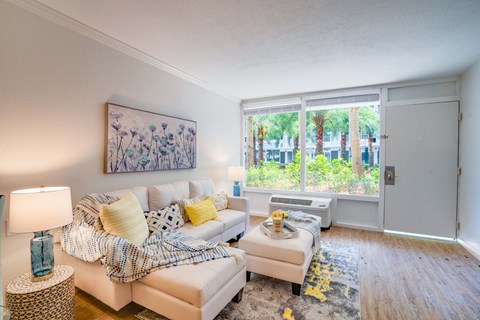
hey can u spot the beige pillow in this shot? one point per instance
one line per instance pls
(220, 200)
(124, 218)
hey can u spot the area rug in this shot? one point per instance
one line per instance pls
(331, 291)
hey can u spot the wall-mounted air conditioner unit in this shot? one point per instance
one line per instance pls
(316, 206)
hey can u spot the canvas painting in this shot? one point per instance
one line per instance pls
(144, 141)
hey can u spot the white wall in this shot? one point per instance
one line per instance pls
(53, 87)
(469, 182)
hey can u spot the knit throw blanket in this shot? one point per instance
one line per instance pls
(123, 261)
(307, 222)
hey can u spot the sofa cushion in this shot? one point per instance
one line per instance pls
(230, 218)
(124, 218)
(205, 231)
(161, 196)
(201, 212)
(198, 283)
(166, 219)
(201, 187)
(140, 193)
(220, 200)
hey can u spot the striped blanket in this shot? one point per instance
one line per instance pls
(307, 222)
(123, 261)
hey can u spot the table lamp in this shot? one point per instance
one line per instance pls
(38, 210)
(236, 174)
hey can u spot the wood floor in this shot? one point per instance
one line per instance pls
(400, 278)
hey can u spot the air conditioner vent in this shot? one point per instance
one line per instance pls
(311, 205)
(301, 202)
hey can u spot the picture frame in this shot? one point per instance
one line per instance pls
(138, 141)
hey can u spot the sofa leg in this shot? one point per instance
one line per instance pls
(249, 274)
(239, 236)
(296, 288)
(238, 297)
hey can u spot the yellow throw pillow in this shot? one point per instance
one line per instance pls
(201, 212)
(124, 218)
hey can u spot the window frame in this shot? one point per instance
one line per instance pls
(302, 113)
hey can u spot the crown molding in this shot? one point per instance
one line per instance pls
(79, 27)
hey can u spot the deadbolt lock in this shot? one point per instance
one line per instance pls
(389, 175)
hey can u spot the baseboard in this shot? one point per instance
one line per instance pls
(357, 226)
(474, 251)
(259, 214)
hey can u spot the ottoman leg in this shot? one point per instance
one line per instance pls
(238, 297)
(248, 275)
(296, 288)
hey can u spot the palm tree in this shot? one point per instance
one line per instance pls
(285, 124)
(338, 123)
(260, 124)
(369, 122)
(357, 164)
(318, 117)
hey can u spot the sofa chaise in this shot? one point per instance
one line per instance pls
(198, 291)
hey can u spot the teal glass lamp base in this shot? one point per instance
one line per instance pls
(236, 188)
(41, 248)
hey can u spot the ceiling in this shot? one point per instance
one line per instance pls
(259, 48)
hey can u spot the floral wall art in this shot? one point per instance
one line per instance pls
(144, 141)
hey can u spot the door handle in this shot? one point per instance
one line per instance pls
(389, 175)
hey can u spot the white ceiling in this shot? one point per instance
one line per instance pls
(259, 48)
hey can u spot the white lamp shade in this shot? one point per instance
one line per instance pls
(40, 209)
(236, 173)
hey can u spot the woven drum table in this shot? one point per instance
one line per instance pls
(53, 298)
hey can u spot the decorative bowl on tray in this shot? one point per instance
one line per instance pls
(287, 232)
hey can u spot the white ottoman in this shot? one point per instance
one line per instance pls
(285, 259)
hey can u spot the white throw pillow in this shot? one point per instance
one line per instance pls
(166, 219)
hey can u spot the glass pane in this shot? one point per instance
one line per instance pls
(272, 157)
(342, 150)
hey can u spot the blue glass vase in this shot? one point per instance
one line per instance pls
(41, 248)
(236, 188)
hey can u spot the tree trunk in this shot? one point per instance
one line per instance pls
(355, 141)
(343, 146)
(370, 150)
(319, 138)
(250, 143)
(295, 145)
(260, 145)
(319, 119)
(255, 160)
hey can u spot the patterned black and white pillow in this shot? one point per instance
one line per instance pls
(166, 219)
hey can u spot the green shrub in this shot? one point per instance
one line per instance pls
(334, 176)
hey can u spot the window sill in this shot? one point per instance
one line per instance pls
(340, 196)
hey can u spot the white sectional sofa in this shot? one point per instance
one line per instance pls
(197, 291)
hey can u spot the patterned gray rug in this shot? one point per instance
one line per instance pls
(330, 291)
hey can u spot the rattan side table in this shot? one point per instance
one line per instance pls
(53, 298)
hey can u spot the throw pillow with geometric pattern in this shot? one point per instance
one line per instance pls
(166, 219)
(220, 200)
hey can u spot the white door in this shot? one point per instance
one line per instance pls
(422, 145)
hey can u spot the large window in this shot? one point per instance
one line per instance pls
(339, 135)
